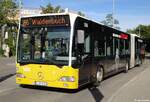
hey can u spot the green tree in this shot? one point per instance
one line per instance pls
(55, 9)
(109, 21)
(142, 30)
(8, 11)
(81, 14)
(51, 9)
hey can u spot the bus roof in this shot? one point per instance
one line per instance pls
(135, 35)
(48, 14)
(74, 14)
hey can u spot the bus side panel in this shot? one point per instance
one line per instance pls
(132, 52)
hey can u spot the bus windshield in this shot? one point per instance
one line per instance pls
(44, 45)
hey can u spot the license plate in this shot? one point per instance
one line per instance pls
(41, 83)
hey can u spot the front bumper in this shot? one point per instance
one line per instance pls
(56, 84)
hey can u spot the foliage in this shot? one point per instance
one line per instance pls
(144, 31)
(11, 41)
(55, 9)
(81, 14)
(8, 11)
(109, 21)
(1, 52)
(51, 9)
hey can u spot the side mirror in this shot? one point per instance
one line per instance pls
(80, 36)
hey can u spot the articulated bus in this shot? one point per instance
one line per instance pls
(137, 50)
(66, 50)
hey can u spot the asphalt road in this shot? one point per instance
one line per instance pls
(111, 89)
(7, 68)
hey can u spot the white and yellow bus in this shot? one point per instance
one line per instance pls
(66, 50)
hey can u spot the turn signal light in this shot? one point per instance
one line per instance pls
(20, 75)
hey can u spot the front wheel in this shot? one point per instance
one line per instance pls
(99, 76)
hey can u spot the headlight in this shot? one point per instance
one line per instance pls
(67, 79)
(17, 68)
(20, 75)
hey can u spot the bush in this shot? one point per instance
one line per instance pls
(1, 52)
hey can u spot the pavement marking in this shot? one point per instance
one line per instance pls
(10, 64)
(5, 90)
(125, 85)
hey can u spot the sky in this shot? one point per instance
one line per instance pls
(130, 13)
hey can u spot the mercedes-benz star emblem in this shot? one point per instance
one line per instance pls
(40, 75)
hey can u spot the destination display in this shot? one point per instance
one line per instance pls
(122, 36)
(58, 20)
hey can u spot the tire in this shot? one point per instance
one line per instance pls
(99, 76)
(126, 67)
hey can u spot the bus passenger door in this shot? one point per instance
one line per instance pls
(111, 58)
(85, 70)
(116, 51)
(122, 53)
(84, 57)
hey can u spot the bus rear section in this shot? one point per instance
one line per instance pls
(137, 50)
(43, 52)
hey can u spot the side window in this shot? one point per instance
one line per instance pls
(102, 47)
(136, 47)
(99, 48)
(109, 47)
(96, 49)
(122, 47)
(116, 46)
(127, 47)
(139, 47)
(87, 44)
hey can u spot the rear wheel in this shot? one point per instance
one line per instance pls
(99, 76)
